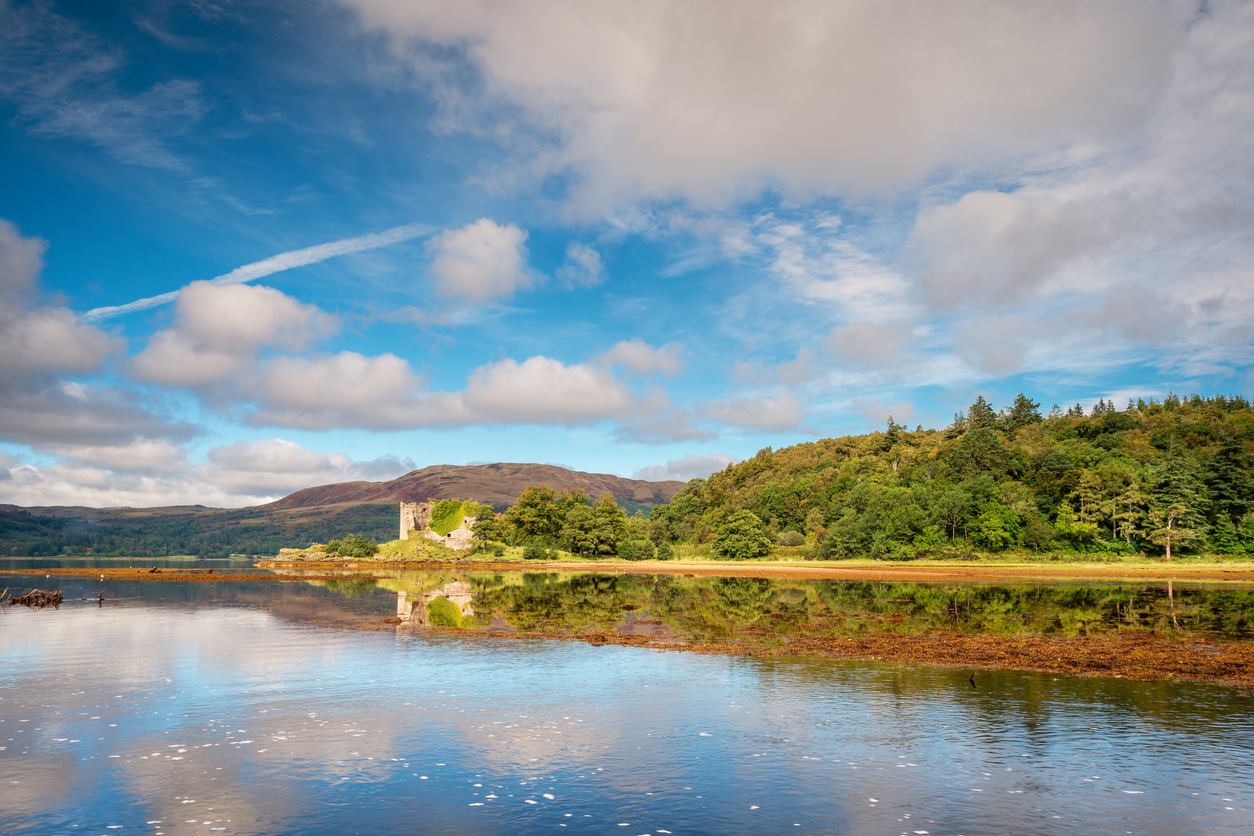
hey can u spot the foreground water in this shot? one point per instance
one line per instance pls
(193, 708)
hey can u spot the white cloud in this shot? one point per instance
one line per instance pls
(542, 390)
(1131, 249)
(54, 415)
(352, 390)
(39, 343)
(145, 473)
(869, 345)
(990, 247)
(775, 414)
(708, 100)
(481, 262)
(274, 264)
(21, 262)
(642, 359)
(218, 330)
(583, 266)
(275, 467)
(348, 390)
(691, 466)
(40, 347)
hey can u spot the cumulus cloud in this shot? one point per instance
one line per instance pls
(1126, 245)
(275, 467)
(992, 247)
(39, 342)
(154, 474)
(351, 390)
(691, 466)
(56, 414)
(480, 262)
(640, 358)
(583, 266)
(542, 390)
(775, 414)
(347, 390)
(44, 349)
(706, 100)
(218, 330)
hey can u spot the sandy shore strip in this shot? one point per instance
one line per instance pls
(1242, 573)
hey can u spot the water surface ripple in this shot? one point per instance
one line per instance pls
(180, 711)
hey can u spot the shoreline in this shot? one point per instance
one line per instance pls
(916, 572)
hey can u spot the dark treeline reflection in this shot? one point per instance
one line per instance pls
(725, 609)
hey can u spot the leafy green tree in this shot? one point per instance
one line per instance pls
(489, 527)
(354, 545)
(951, 509)
(537, 516)
(742, 537)
(1068, 525)
(637, 550)
(1129, 511)
(996, 528)
(594, 531)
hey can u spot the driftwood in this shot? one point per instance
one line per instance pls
(36, 599)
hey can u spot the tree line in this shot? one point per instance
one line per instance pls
(1165, 477)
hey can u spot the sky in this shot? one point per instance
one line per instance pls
(249, 247)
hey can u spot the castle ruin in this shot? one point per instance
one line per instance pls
(416, 519)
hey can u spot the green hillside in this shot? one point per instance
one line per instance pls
(1153, 476)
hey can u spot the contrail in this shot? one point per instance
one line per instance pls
(275, 264)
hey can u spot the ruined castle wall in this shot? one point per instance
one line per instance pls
(415, 516)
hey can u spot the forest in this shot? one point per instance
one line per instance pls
(202, 532)
(1170, 477)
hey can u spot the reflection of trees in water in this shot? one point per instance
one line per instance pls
(715, 609)
(543, 600)
(351, 587)
(1037, 610)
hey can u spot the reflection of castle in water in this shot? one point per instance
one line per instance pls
(413, 608)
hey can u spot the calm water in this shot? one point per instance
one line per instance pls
(198, 708)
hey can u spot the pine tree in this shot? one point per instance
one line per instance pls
(1129, 511)
(1166, 529)
(1179, 499)
(1022, 412)
(981, 414)
(1228, 482)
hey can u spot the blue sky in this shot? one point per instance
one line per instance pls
(644, 238)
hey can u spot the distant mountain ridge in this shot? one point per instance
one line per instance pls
(311, 515)
(498, 485)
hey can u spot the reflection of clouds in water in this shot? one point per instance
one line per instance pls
(289, 729)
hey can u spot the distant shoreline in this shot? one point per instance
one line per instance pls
(1242, 572)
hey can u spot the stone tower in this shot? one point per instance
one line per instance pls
(415, 516)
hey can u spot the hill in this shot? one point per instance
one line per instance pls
(498, 485)
(1175, 476)
(312, 515)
